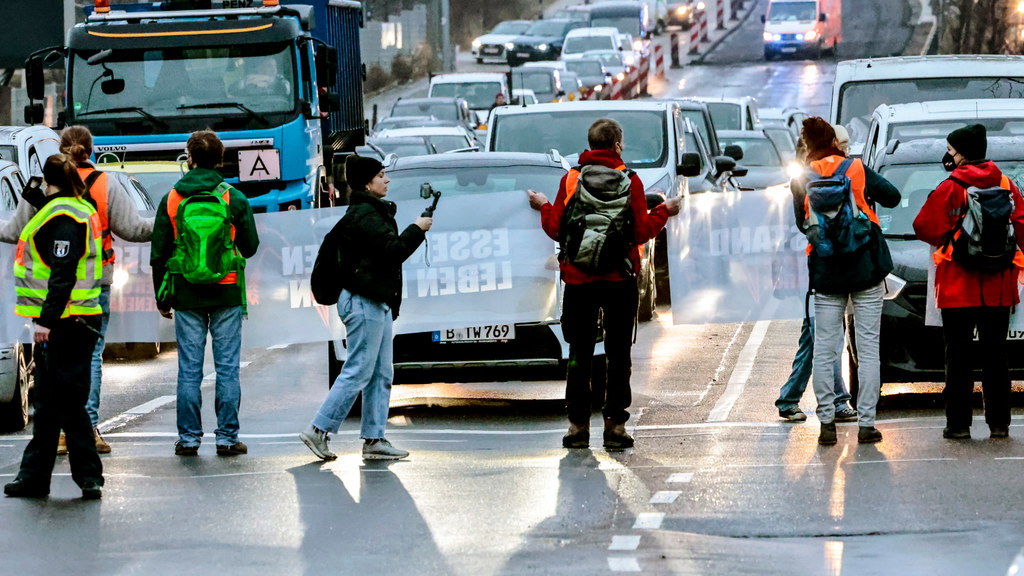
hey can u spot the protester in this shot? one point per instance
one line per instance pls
(600, 186)
(970, 298)
(198, 271)
(499, 100)
(847, 261)
(118, 214)
(369, 303)
(57, 281)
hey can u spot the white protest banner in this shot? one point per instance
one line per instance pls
(486, 262)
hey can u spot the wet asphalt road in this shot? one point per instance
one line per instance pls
(716, 485)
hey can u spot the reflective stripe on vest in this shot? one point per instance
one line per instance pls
(946, 252)
(98, 193)
(32, 275)
(174, 199)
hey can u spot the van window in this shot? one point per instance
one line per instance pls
(792, 11)
(479, 95)
(580, 44)
(9, 153)
(7, 201)
(626, 24)
(725, 115)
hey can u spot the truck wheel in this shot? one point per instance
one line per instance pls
(14, 414)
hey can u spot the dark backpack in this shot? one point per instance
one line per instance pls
(597, 227)
(327, 279)
(983, 239)
(836, 225)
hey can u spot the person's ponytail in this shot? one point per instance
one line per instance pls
(76, 142)
(60, 170)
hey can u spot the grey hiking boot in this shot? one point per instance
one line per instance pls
(381, 449)
(846, 415)
(316, 439)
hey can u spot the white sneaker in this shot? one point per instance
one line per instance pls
(317, 440)
(381, 449)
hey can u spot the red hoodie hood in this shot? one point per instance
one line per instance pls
(606, 158)
(982, 175)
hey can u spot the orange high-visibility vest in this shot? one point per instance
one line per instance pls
(98, 193)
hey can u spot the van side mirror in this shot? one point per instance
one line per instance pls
(822, 17)
(734, 151)
(689, 165)
(724, 164)
(739, 171)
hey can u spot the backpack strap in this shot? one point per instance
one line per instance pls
(843, 167)
(92, 178)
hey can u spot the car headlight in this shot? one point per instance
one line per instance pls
(768, 36)
(542, 47)
(477, 43)
(701, 6)
(599, 87)
(777, 37)
(794, 170)
(638, 45)
(810, 35)
(799, 36)
(661, 186)
(509, 45)
(893, 286)
(630, 60)
(681, 11)
(620, 76)
(120, 278)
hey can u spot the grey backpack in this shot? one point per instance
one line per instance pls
(597, 227)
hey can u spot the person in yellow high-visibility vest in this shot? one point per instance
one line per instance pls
(57, 269)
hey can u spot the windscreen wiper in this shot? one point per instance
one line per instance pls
(160, 123)
(252, 114)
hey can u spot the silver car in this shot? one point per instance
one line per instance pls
(15, 358)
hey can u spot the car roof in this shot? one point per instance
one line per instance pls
(583, 105)
(599, 52)
(478, 160)
(595, 31)
(739, 101)
(425, 131)
(929, 150)
(8, 166)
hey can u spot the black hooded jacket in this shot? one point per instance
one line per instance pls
(373, 262)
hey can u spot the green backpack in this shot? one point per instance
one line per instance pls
(204, 251)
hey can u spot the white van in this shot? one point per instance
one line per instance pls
(28, 147)
(862, 85)
(802, 26)
(919, 120)
(580, 40)
(477, 88)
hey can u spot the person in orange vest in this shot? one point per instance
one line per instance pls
(601, 172)
(841, 274)
(118, 215)
(969, 299)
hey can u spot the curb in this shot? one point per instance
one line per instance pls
(700, 59)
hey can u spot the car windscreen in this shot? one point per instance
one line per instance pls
(580, 44)
(857, 100)
(915, 182)
(905, 131)
(644, 133)
(511, 28)
(403, 147)
(725, 115)
(791, 12)
(449, 143)
(546, 28)
(9, 153)
(625, 24)
(479, 95)
(460, 180)
(585, 67)
(756, 151)
(441, 111)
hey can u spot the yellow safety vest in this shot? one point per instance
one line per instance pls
(32, 275)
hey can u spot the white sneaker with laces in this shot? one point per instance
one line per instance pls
(317, 440)
(381, 449)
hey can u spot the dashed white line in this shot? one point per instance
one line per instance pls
(137, 412)
(623, 564)
(626, 543)
(648, 520)
(741, 373)
(664, 497)
(680, 478)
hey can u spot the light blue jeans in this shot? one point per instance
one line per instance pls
(190, 329)
(793, 389)
(867, 319)
(368, 369)
(92, 406)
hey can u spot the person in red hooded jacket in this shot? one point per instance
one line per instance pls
(615, 293)
(970, 299)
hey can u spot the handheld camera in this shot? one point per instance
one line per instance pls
(426, 191)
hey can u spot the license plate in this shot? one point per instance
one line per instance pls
(522, 55)
(492, 50)
(492, 333)
(1011, 335)
(789, 50)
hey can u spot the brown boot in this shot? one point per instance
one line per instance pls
(101, 445)
(578, 436)
(62, 445)
(615, 436)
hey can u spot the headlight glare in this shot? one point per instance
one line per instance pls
(542, 47)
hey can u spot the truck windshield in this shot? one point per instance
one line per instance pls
(792, 12)
(176, 83)
(857, 100)
(644, 133)
(479, 95)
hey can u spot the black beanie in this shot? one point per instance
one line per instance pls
(359, 170)
(969, 141)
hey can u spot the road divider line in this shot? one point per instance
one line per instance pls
(664, 497)
(618, 564)
(680, 478)
(741, 373)
(134, 413)
(648, 520)
(625, 543)
(721, 366)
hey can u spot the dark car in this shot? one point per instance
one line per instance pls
(683, 13)
(765, 165)
(591, 73)
(441, 108)
(543, 41)
(911, 351)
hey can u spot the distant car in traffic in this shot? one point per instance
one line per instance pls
(591, 72)
(524, 97)
(584, 39)
(684, 14)
(478, 89)
(542, 41)
(491, 46)
(393, 122)
(28, 147)
(428, 140)
(732, 113)
(789, 118)
(765, 166)
(546, 81)
(446, 108)
(809, 27)
(614, 62)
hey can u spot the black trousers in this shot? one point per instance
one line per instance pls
(961, 351)
(616, 302)
(63, 374)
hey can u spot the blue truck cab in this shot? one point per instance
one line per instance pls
(265, 76)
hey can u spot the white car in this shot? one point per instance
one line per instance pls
(788, 118)
(492, 45)
(28, 147)
(524, 95)
(732, 113)
(15, 358)
(614, 62)
(435, 139)
(477, 88)
(581, 40)
(1004, 117)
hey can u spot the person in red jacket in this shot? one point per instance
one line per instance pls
(614, 293)
(968, 298)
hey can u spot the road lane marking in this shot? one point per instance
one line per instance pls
(626, 543)
(664, 497)
(1010, 458)
(648, 520)
(741, 373)
(616, 564)
(137, 412)
(721, 366)
(680, 478)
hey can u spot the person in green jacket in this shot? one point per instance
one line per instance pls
(214, 308)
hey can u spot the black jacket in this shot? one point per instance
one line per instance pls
(375, 249)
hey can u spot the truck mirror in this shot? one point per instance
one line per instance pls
(34, 114)
(34, 80)
(327, 65)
